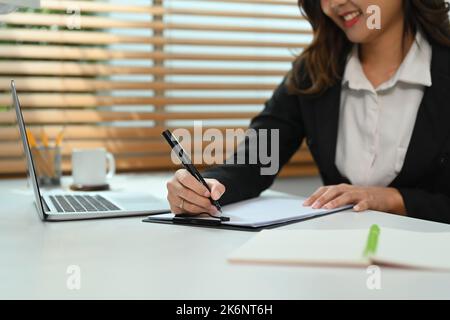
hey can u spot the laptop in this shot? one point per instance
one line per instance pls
(56, 205)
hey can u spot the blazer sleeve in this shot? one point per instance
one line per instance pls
(425, 205)
(245, 181)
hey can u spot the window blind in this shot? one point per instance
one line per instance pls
(114, 74)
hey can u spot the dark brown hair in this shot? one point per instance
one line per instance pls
(320, 65)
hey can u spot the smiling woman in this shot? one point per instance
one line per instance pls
(371, 100)
(338, 26)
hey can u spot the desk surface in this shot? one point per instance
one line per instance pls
(124, 258)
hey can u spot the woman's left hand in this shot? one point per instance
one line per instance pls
(363, 198)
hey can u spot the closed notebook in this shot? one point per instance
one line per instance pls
(362, 247)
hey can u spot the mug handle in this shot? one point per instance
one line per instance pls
(111, 165)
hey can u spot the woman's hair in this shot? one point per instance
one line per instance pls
(320, 65)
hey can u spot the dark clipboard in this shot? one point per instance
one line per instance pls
(217, 224)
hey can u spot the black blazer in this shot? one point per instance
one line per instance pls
(424, 180)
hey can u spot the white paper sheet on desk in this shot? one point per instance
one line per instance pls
(265, 211)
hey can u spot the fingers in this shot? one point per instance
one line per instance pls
(188, 181)
(342, 200)
(319, 192)
(329, 195)
(184, 189)
(361, 206)
(332, 197)
(217, 189)
(187, 207)
(174, 205)
(191, 196)
(326, 194)
(177, 194)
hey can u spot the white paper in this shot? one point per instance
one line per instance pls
(264, 211)
(424, 250)
(304, 247)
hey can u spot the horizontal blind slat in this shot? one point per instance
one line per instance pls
(100, 38)
(91, 101)
(105, 7)
(83, 84)
(124, 147)
(75, 116)
(274, 2)
(74, 132)
(95, 6)
(86, 69)
(73, 53)
(60, 20)
(15, 166)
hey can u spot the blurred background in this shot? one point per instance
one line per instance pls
(114, 74)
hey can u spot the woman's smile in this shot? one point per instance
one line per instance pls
(351, 18)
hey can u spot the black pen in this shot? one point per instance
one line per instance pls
(187, 163)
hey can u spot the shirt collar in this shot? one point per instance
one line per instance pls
(415, 68)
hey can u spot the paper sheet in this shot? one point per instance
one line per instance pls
(265, 211)
(304, 247)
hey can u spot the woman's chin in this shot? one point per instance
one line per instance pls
(359, 36)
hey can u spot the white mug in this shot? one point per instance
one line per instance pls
(89, 166)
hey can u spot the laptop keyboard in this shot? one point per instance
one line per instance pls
(82, 203)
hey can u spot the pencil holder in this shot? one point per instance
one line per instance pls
(47, 162)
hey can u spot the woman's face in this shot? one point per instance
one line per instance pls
(353, 18)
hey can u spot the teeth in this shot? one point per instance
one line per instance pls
(352, 16)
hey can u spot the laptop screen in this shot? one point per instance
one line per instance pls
(31, 173)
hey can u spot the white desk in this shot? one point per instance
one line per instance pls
(126, 259)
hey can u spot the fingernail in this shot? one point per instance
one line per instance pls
(216, 195)
(316, 205)
(356, 208)
(213, 209)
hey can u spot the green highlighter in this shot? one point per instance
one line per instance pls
(372, 241)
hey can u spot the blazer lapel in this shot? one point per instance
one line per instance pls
(432, 124)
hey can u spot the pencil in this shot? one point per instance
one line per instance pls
(31, 139)
(60, 137)
(41, 163)
(44, 138)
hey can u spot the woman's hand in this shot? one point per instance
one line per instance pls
(187, 195)
(363, 198)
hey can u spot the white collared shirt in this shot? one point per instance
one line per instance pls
(376, 125)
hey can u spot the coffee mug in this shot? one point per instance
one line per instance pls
(89, 167)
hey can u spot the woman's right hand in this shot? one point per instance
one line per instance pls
(187, 195)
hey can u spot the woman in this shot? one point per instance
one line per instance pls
(373, 105)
